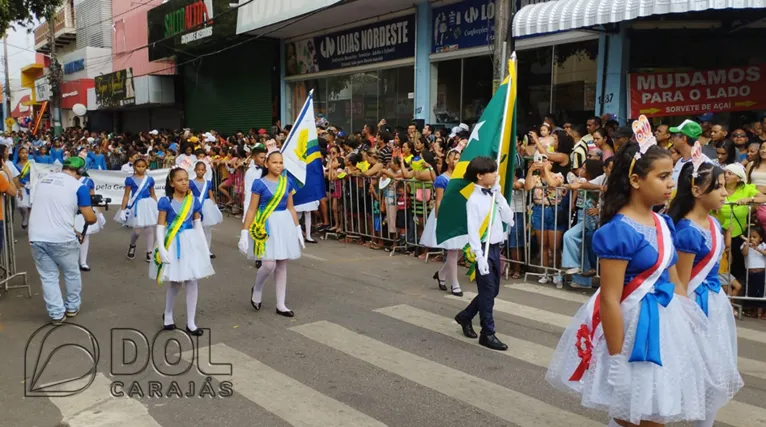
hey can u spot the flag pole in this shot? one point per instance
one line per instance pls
(503, 131)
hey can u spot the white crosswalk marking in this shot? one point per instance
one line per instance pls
(509, 405)
(96, 407)
(743, 333)
(285, 397)
(527, 351)
(734, 413)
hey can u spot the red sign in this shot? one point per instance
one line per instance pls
(75, 92)
(698, 92)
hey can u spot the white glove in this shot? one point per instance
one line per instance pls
(244, 244)
(198, 228)
(482, 266)
(124, 215)
(619, 373)
(300, 236)
(164, 255)
(100, 219)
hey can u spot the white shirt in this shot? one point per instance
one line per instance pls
(251, 175)
(127, 168)
(680, 165)
(754, 258)
(57, 198)
(478, 207)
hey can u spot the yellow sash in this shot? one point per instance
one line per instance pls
(186, 208)
(258, 228)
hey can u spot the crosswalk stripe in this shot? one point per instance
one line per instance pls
(744, 333)
(509, 405)
(527, 351)
(746, 366)
(294, 402)
(96, 407)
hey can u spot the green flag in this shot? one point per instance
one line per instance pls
(493, 136)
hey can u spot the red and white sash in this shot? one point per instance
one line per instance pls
(701, 270)
(632, 294)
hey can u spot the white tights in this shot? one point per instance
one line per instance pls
(192, 290)
(84, 250)
(307, 224)
(149, 232)
(279, 268)
(209, 237)
(448, 272)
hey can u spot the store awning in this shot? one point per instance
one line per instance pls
(562, 15)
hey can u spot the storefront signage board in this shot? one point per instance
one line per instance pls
(462, 25)
(253, 15)
(370, 44)
(697, 92)
(42, 89)
(115, 89)
(74, 66)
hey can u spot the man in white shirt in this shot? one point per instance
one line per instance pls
(57, 199)
(482, 171)
(683, 137)
(254, 171)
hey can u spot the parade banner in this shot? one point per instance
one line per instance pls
(697, 92)
(110, 184)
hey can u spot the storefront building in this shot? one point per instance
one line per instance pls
(79, 68)
(667, 61)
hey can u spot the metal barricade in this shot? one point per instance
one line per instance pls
(9, 274)
(751, 292)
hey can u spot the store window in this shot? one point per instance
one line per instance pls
(463, 89)
(353, 100)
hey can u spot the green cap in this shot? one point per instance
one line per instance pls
(75, 162)
(689, 128)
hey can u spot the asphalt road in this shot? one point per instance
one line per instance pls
(373, 343)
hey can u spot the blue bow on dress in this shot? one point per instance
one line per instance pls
(703, 293)
(646, 347)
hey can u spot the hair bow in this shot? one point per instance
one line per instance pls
(642, 129)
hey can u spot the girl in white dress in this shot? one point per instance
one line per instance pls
(182, 256)
(271, 231)
(453, 246)
(202, 189)
(139, 208)
(23, 197)
(79, 224)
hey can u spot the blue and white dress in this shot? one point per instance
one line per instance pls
(79, 221)
(26, 202)
(142, 209)
(211, 215)
(282, 242)
(705, 289)
(189, 254)
(428, 238)
(661, 374)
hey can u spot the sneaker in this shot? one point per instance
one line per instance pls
(58, 322)
(543, 280)
(72, 313)
(573, 271)
(131, 252)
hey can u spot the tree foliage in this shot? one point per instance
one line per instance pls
(24, 12)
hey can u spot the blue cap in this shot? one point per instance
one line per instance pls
(341, 134)
(707, 117)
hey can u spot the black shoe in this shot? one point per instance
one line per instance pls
(170, 327)
(84, 267)
(311, 241)
(149, 257)
(491, 341)
(467, 327)
(212, 256)
(457, 293)
(288, 313)
(132, 252)
(442, 286)
(197, 332)
(256, 305)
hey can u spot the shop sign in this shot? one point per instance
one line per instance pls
(378, 42)
(42, 89)
(698, 92)
(463, 25)
(74, 66)
(253, 15)
(115, 89)
(187, 23)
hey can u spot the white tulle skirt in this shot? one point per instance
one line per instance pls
(673, 392)
(307, 207)
(282, 242)
(211, 215)
(79, 223)
(26, 202)
(193, 263)
(143, 214)
(428, 238)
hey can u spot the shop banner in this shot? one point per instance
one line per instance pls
(463, 25)
(110, 184)
(75, 92)
(378, 42)
(698, 92)
(253, 15)
(115, 89)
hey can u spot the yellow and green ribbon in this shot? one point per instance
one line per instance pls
(186, 208)
(469, 256)
(25, 170)
(258, 231)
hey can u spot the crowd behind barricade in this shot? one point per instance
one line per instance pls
(384, 183)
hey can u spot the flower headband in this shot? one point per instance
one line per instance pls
(642, 129)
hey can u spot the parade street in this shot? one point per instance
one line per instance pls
(373, 343)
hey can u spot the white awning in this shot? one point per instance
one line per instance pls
(562, 15)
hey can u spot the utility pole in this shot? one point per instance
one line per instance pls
(500, 47)
(54, 78)
(7, 103)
